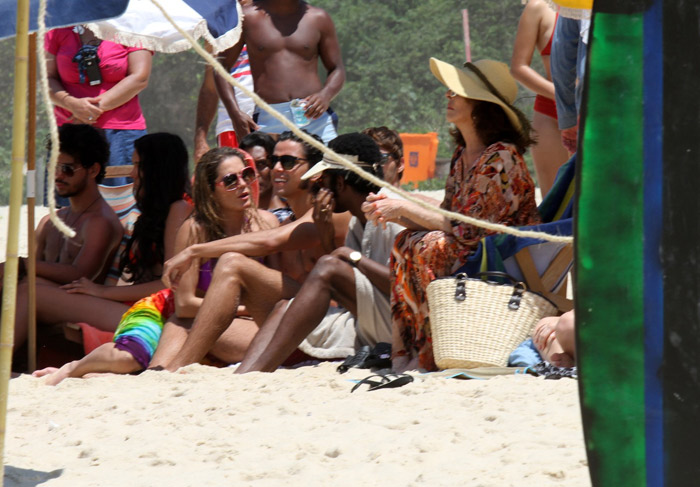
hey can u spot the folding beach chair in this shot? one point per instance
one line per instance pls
(542, 265)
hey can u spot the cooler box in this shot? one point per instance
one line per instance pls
(419, 153)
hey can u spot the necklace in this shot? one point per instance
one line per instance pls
(82, 212)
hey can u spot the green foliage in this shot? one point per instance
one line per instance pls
(435, 184)
(385, 44)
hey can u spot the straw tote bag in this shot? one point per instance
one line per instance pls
(478, 323)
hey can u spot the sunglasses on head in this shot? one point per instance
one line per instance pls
(67, 169)
(231, 181)
(287, 162)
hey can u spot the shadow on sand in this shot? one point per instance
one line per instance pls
(26, 477)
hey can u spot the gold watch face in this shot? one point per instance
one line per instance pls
(355, 257)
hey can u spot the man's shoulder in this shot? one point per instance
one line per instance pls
(317, 14)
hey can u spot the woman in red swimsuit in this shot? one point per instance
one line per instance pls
(535, 30)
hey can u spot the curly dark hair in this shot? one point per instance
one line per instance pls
(163, 180)
(312, 154)
(257, 139)
(84, 143)
(493, 125)
(367, 151)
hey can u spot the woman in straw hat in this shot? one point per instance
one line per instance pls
(488, 180)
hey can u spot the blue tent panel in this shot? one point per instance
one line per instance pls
(60, 13)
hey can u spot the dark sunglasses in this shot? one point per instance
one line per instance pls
(287, 162)
(263, 163)
(67, 169)
(231, 181)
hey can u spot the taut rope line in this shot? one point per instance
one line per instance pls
(262, 104)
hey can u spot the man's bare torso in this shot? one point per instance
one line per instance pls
(55, 247)
(284, 50)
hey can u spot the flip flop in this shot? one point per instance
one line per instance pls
(378, 357)
(387, 381)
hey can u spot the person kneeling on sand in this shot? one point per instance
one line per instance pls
(355, 275)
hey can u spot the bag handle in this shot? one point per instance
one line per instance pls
(519, 287)
(498, 275)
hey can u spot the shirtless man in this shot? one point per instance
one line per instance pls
(356, 275)
(82, 159)
(238, 279)
(285, 39)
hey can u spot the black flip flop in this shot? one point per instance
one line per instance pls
(378, 357)
(386, 381)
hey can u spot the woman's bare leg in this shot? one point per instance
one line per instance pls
(171, 340)
(549, 153)
(54, 305)
(232, 345)
(548, 342)
(105, 358)
(237, 279)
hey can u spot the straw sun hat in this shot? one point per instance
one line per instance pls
(472, 82)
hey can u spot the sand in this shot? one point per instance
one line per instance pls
(206, 426)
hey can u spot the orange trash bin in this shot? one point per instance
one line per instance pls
(419, 153)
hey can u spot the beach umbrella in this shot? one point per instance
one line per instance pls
(144, 25)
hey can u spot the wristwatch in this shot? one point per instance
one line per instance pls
(355, 257)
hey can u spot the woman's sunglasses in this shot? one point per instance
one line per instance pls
(67, 169)
(287, 162)
(230, 182)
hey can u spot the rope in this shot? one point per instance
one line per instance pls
(53, 127)
(262, 104)
(349, 165)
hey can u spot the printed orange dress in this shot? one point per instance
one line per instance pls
(498, 188)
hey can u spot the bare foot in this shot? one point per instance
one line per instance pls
(43, 372)
(562, 360)
(53, 376)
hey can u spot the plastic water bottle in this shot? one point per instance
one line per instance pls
(298, 112)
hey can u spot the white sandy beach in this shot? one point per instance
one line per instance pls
(302, 427)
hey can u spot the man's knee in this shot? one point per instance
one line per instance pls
(230, 265)
(328, 267)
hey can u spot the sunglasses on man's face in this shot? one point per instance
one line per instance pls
(231, 181)
(263, 163)
(67, 169)
(287, 162)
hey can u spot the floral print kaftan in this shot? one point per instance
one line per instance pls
(498, 188)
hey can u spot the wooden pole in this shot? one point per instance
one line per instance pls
(19, 134)
(467, 40)
(31, 201)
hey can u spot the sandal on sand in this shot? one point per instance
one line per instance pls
(378, 357)
(386, 381)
